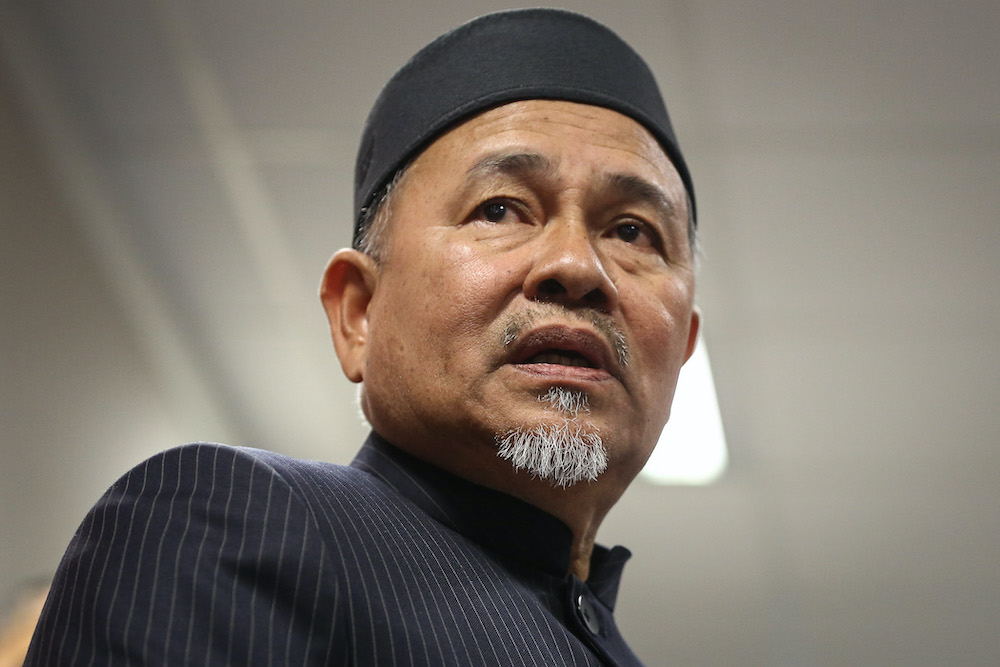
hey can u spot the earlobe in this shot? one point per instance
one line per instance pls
(346, 291)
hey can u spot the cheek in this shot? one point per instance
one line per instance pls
(445, 304)
(660, 324)
(475, 287)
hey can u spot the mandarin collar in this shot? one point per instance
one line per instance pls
(501, 523)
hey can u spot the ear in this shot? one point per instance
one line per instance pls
(346, 291)
(693, 332)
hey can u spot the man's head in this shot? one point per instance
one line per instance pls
(531, 302)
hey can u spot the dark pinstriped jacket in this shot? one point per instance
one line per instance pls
(213, 555)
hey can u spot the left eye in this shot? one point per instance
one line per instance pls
(628, 232)
(635, 233)
(494, 211)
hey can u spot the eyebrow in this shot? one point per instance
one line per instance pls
(517, 165)
(640, 190)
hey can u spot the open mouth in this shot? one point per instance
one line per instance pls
(563, 353)
(560, 358)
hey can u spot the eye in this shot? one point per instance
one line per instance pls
(497, 211)
(635, 233)
(628, 232)
(494, 211)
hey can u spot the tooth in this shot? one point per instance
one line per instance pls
(560, 359)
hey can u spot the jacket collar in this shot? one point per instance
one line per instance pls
(502, 524)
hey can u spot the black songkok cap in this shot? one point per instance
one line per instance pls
(499, 58)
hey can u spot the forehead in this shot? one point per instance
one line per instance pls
(573, 137)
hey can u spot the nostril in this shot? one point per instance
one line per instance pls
(595, 298)
(551, 287)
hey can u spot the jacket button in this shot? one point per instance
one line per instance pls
(585, 609)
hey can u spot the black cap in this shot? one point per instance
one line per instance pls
(500, 58)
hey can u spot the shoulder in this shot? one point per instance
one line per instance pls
(207, 492)
(225, 485)
(200, 487)
(180, 547)
(205, 467)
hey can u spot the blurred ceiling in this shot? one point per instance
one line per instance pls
(176, 174)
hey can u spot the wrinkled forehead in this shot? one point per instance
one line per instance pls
(550, 140)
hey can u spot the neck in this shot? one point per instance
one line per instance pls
(579, 566)
(579, 560)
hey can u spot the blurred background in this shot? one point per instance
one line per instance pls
(175, 174)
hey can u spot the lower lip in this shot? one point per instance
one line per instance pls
(554, 372)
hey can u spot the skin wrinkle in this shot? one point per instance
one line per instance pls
(521, 166)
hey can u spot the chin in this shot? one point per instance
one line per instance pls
(563, 449)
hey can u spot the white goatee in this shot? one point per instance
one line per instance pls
(564, 452)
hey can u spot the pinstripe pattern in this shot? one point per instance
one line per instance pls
(209, 554)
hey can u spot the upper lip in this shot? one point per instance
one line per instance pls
(562, 338)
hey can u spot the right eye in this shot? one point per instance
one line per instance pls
(494, 211)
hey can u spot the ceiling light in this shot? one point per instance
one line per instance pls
(692, 447)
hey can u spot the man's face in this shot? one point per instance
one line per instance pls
(541, 244)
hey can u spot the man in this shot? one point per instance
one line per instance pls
(517, 307)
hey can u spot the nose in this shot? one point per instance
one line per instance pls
(568, 270)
